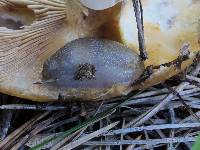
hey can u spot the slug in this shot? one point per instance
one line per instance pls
(92, 64)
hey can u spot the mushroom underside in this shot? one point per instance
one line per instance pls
(27, 41)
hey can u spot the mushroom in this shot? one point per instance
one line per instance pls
(32, 31)
(168, 26)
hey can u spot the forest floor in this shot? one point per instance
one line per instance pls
(165, 116)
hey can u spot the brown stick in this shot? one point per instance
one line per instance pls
(139, 19)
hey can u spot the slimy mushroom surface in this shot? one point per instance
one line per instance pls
(92, 63)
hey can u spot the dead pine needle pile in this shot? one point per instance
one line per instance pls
(162, 117)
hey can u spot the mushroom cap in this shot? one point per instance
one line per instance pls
(49, 24)
(168, 26)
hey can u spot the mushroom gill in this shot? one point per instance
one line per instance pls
(23, 50)
(41, 27)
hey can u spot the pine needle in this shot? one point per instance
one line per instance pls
(93, 120)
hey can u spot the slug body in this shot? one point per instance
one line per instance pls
(92, 64)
